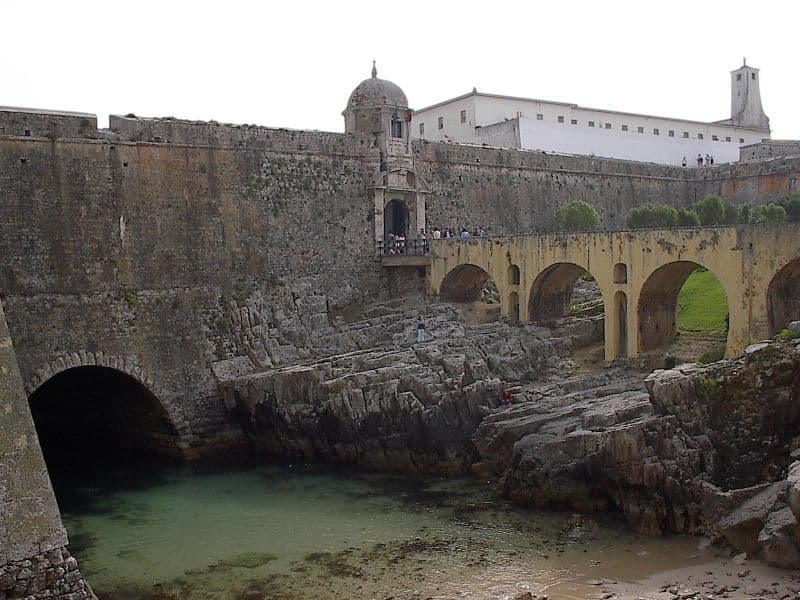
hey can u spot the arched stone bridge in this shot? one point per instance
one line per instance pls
(639, 274)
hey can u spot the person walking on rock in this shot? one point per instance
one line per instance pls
(420, 329)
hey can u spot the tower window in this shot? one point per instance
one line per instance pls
(397, 128)
(573, 121)
(608, 125)
(463, 116)
(560, 119)
(422, 128)
(741, 140)
(699, 136)
(640, 129)
(539, 116)
(591, 123)
(27, 133)
(686, 134)
(655, 131)
(753, 76)
(738, 77)
(728, 138)
(624, 128)
(714, 138)
(671, 133)
(440, 122)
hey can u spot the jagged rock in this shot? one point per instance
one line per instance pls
(741, 528)
(706, 451)
(394, 404)
(793, 478)
(779, 538)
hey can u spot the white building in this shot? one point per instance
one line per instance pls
(529, 124)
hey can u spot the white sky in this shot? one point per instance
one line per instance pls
(294, 63)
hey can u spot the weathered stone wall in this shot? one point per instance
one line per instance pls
(204, 226)
(51, 574)
(243, 238)
(47, 124)
(140, 251)
(33, 560)
(508, 191)
(769, 149)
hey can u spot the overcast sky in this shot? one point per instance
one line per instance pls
(294, 63)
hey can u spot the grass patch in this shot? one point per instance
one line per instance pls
(703, 305)
(787, 335)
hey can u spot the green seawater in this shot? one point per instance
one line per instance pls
(316, 531)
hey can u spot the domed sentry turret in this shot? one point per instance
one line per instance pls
(376, 106)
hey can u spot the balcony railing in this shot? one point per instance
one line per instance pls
(416, 247)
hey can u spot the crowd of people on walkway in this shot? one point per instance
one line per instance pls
(448, 234)
(708, 160)
(398, 244)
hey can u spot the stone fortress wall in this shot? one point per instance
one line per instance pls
(243, 238)
(176, 252)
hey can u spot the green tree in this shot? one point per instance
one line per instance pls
(576, 216)
(730, 215)
(746, 215)
(791, 204)
(687, 218)
(710, 210)
(652, 215)
(771, 213)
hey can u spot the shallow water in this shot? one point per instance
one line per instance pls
(312, 531)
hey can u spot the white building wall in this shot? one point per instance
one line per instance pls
(540, 135)
(453, 129)
(568, 128)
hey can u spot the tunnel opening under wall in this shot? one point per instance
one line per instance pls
(95, 422)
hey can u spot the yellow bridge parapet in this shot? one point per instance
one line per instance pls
(639, 274)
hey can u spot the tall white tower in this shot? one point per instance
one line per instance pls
(746, 108)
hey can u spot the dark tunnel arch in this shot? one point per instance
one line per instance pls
(551, 292)
(658, 303)
(464, 283)
(90, 416)
(783, 297)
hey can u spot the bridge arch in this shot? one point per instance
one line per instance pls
(783, 297)
(464, 283)
(551, 291)
(657, 305)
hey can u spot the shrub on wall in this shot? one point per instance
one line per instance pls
(771, 213)
(687, 218)
(791, 204)
(652, 215)
(576, 216)
(711, 211)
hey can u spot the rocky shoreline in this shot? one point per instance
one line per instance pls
(698, 450)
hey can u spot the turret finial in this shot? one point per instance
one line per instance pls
(744, 62)
(374, 70)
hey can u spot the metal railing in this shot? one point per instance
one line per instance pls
(403, 247)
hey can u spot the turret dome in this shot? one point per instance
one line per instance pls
(377, 92)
